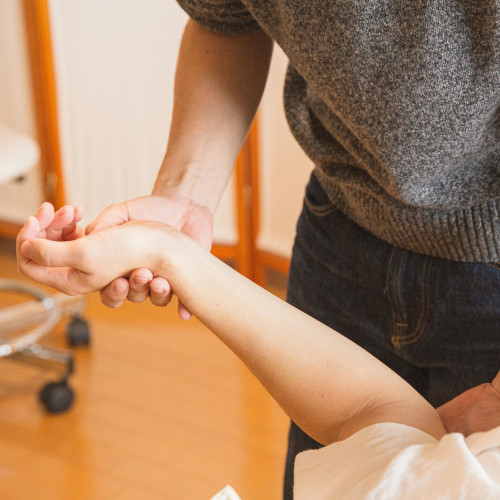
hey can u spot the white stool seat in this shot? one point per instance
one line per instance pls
(19, 153)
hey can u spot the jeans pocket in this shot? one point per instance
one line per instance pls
(316, 199)
(410, 299)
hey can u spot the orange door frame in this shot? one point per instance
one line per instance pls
(39, 42)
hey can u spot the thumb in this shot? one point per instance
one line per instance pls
(55, 253)
(114, 215)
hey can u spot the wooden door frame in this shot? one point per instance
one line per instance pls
(248, 259)
(41, 62)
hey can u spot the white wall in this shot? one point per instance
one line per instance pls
(284, 167)
(17, 200)
(115, 63)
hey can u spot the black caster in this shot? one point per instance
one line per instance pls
(78, 332)
(56, 397)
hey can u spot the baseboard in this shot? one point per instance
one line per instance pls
(271, 261)
(225, 252)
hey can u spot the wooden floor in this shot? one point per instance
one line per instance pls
(163, 411)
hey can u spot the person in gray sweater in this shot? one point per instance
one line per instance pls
(397, 104)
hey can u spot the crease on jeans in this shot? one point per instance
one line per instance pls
(399, 323)
(415, 335)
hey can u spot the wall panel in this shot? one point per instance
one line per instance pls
(284, 168)
(17, 199)
(115, 63)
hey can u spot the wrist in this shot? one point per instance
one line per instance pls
(200, 182)
(176, 258)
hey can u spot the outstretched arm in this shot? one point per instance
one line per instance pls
(328, 385)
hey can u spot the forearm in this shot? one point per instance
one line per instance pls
(218, 86)
(328, 385)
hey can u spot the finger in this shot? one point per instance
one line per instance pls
(45, 215)
(115, 293)
(30, 229)
(139, 285)
(54, 253)
(183, 312)
(62, 218)
(72, 231)
(79, 212)
(111, 216)
(160, 292)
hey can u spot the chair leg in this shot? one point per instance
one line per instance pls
(46, 357)
(40, 316)
(57, 396)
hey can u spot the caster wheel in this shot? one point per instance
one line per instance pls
(56, 397)
(78, 332)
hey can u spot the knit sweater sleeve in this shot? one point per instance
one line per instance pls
(226, 17)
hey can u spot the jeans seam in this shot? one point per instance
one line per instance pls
(397, 309)
(320, 210)
(494, 265)
(426, 303)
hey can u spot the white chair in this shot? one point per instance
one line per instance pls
(35, 318)
(18, 154)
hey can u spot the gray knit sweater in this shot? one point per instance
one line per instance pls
(397, 102)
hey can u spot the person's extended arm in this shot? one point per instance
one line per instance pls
(218, 86)
(329, 386)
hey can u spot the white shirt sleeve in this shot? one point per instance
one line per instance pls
(392, 461)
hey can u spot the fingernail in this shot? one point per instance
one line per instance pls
(120, 287)
(61, 211)
(29, 221)
(141, 280)
(158, 290)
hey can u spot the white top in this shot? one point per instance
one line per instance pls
(393, 461)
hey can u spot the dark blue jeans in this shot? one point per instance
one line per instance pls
(434, 322)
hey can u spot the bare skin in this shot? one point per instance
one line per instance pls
(193, 220)
(475, 410)
(327, 384)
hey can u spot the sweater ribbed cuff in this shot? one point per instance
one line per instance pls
(226, 17)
